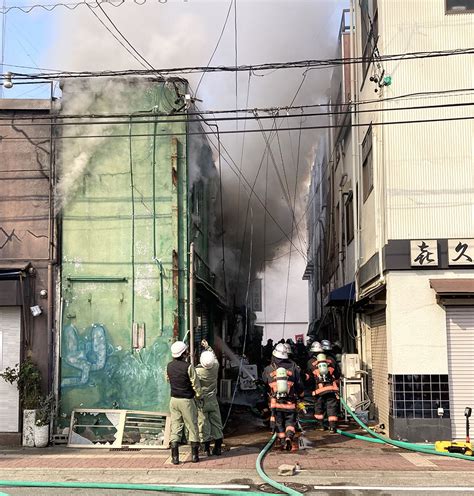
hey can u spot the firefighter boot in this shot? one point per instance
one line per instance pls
(207, 448)
(217, 447)
(175, 453)
(194, 452)
(332, 427)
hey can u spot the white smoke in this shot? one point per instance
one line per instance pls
(184, 33)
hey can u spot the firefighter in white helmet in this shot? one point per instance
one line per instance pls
(326, 385)
(285, 386)
(185, 387)
(209, 414)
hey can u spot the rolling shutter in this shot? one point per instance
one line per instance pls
(379, 367)
(460, 329)
(9, 357)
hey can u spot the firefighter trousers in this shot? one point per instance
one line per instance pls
(327, 404)
(285, 423)
(183, 413)
(209, 420)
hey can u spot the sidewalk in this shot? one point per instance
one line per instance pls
(332, 459)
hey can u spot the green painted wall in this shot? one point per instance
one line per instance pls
(110, 232)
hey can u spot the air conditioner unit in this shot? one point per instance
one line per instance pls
(225, 391)
(350, 364)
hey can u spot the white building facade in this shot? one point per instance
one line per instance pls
(413, 188)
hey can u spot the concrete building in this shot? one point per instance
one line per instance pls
(27, 249)
(413, 192)
(136, 228)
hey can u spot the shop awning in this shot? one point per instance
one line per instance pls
(344, 295)
(453, 287)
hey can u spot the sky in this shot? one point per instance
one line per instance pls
(177, 33)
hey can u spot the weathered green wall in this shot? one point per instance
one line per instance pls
(106, 235)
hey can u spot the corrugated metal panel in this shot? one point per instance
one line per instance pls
(379, 367)
(10, 356)
(460, 327)
(428, 167)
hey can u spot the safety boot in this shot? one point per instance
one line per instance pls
(332, 428)
(194, 452)
(217, 450)
(175, 453)
(207, 448)
(288, 444)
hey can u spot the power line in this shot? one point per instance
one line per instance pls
(26, 9)
(217, 45)
(270, 66)
(174, 118)
(305, 128)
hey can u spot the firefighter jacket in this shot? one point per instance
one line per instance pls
(324, 384)
(295, 390)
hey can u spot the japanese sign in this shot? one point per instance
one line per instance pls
(424, 253)
(461, 251)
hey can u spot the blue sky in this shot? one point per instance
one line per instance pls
(28, 41)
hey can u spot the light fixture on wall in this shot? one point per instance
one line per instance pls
(43, 293)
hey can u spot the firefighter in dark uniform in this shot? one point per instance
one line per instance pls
(283, 380)
(326, 390)
(185, 387)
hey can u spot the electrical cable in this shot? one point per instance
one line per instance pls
(216, 47)
(233, 131)
(269, 66)
(114, 35)
(271, 111)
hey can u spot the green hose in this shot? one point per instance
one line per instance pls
(375, 440)
(264, 476)
(403, 444)
(134, 487)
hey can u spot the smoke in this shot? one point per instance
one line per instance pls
(184, 33)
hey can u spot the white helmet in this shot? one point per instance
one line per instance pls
(178, 348)
(326, 344)
(207, 359)
(316, 347)
(280, 351)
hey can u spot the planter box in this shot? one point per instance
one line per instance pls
(41, 436)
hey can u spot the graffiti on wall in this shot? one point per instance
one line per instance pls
(122, 378)
(84, 353)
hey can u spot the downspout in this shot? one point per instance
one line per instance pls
(191, 302)
(355, 169)
(155, 259)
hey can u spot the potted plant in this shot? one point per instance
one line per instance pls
(43, 419)
(28, 381)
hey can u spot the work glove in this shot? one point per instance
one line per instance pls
(301, 407)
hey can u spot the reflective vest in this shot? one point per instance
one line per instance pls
(324, 383)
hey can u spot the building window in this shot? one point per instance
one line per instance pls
(367, 164)
(349, 217)
(369, 32)
(459, 6)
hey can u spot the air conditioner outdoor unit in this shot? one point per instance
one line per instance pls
(350, 364)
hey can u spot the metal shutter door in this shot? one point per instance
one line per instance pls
(379, 367)
(9, 357)
(460, 328)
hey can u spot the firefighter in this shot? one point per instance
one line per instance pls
(285, 386)
(185, 387)
(209, 414)
(326, 345)
(326, 388)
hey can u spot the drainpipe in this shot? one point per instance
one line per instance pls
(192, 309)
(355, 169)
